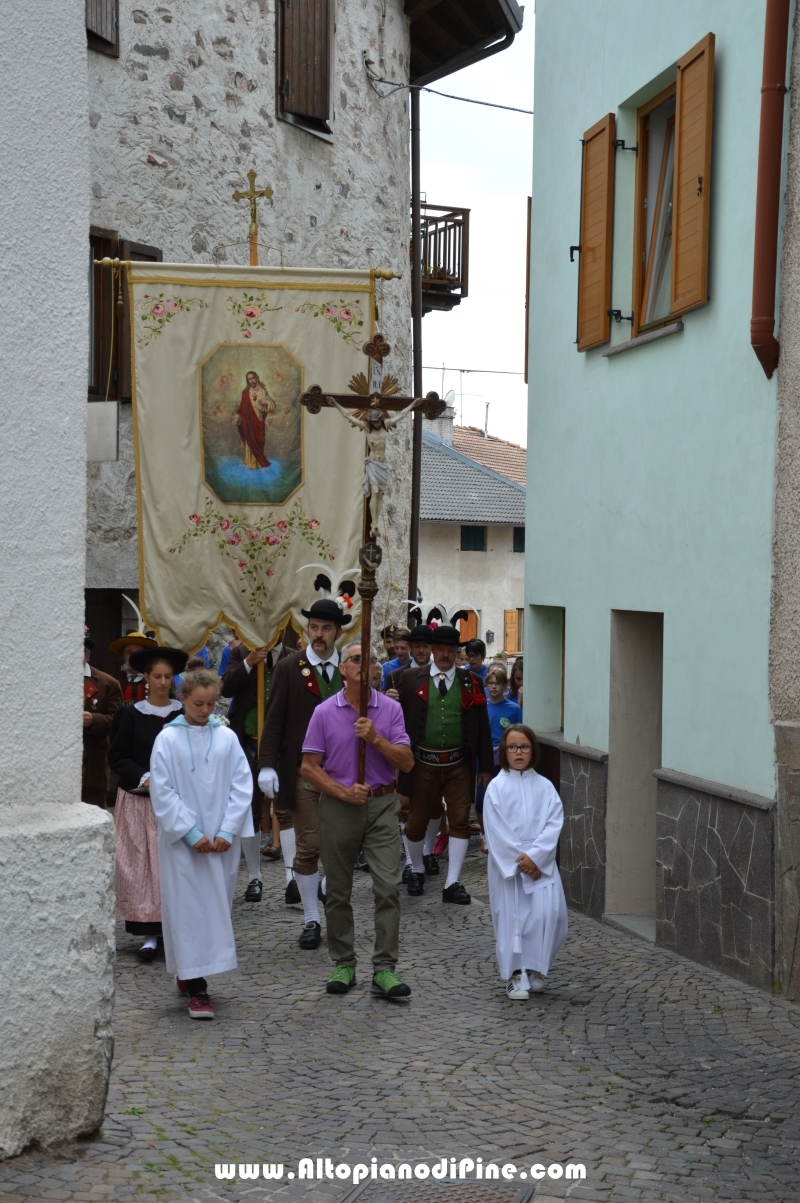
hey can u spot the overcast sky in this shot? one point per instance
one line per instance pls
(480, 159)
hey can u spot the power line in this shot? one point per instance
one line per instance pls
(473, 371)
(396, 87)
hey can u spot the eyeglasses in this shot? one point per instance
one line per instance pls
(518, 748)
(357, 660)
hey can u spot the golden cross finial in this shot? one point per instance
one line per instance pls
(252, 195)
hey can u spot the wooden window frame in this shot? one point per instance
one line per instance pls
(103, 243)
(142, 253)
(95, 42)
(319, 128)
(605, 129)
(640, 249)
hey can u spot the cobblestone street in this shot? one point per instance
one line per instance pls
(666, 1080)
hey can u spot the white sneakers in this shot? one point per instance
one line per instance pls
(522, 985)
(515, 990)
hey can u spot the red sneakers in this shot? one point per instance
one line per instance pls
(182, 987)
(200, 1006)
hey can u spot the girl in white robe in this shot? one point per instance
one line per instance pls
(201, 788)
(523, 817)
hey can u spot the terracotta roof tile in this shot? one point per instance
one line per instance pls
(508, 459)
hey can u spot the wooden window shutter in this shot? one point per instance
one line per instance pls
(510, 631)
(691, 203)
(102, 25)
(305, 60)
(135, 252)
(597, 219)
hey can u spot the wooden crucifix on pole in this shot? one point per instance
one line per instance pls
(374, 408)
(253, 195)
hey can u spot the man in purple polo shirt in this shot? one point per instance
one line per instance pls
(352, 817)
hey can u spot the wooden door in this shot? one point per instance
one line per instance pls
(468, 627)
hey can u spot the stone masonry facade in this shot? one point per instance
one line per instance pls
(177, 121)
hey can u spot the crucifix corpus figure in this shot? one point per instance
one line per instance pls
(375, 416)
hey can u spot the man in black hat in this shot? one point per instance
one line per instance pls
(444, 708)
(299, 683)
(420, 646)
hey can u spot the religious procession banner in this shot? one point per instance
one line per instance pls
(242, 500)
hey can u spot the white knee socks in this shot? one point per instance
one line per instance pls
(307, 885)
(414, 848)
(430, 835)
(150, 942)
(289, 846)
(406, 847)
(251, 847)
(456, 851)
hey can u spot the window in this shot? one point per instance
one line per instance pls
(102, 26)
(136, 252)
(305, 64)
(103, 358)
(513, 631)
(671, 205)
(473, 538)
(673, 193)
(519, 538)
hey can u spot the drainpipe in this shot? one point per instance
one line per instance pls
(768, 185)
(416, 323)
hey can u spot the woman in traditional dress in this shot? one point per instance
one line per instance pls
(201, 788)
(136, 727)
(522, 818)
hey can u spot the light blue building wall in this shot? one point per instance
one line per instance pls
(650, 473)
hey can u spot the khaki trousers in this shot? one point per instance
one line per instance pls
(344, 830)
(428, 786)
(305, 820)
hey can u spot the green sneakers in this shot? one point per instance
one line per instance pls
(386, 984)
(341, 980)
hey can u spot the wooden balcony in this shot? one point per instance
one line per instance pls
(445, 257)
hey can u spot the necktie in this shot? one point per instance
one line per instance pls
(442, 685)
(325, 668)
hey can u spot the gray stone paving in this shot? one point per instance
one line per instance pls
(667, 1080)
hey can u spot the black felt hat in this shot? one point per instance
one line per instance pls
(446, 635)
(175, 658)
(328, 610)
(421, 634)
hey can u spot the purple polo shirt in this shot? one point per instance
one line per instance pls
(330, 734)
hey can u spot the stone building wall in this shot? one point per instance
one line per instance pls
(176, 123)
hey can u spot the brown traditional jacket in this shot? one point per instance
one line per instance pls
(293, 697)
(240, 685)
(413, 686)
(102, 698)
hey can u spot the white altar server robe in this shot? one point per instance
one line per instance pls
(522, 812)
(199, 777)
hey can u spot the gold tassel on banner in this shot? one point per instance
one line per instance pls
(117, 266)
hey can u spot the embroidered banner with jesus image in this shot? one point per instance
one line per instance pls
(236, 492)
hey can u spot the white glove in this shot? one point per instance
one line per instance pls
(268, 782)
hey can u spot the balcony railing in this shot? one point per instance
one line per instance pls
(445, 256)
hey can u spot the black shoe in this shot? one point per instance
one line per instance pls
(431, 864)
(407, 874)
(254, 890)
(416, 883)
(321, 895)
(361, 862)
(311, 935)
(146, 954)
(456, 893)
(292, 895)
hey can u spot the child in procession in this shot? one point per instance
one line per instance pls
(201, 788)
(523, 817)
(502, 712)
